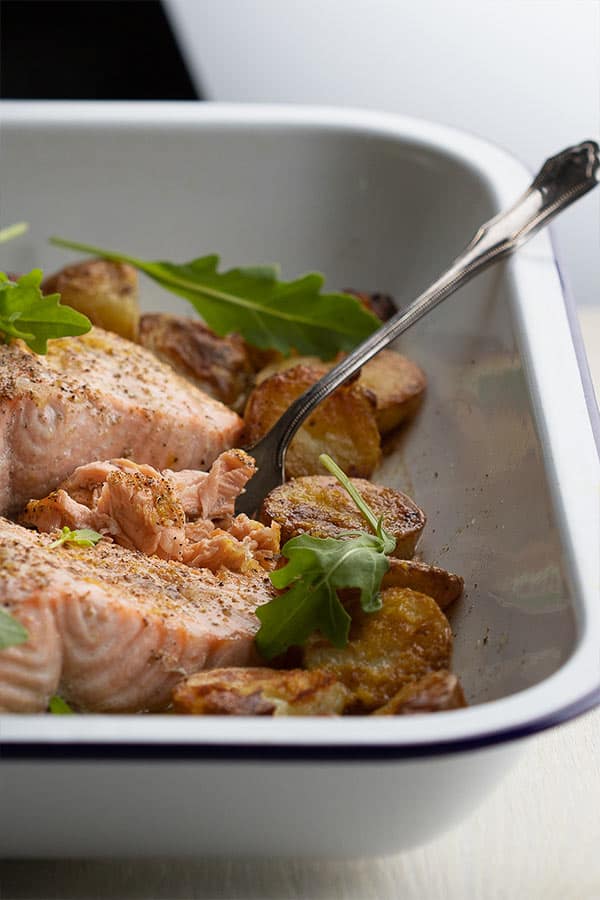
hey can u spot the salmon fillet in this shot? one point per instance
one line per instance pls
(111, 630)
(94, 397)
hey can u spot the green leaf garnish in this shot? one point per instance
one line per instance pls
(59, 707)
(27, 314)
(11, 631)
(388, 540)
(82, 537)
(317, 569)
(268, 313)
(13, 231)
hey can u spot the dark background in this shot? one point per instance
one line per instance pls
(90, 50)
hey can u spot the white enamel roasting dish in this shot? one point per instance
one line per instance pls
(503, 458)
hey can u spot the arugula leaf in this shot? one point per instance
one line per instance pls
(317, 569)
(59, 707)
(388, 540)
(82, 537)
(25, 313)
(11, 631)
(268, 313)
(13, 231)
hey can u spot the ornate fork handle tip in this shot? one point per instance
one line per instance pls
(575, 165)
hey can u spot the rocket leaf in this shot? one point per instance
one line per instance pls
(253, 302)
(13, 231)
(26, 313)
(82, 537)
(11, 631)
(59, 707)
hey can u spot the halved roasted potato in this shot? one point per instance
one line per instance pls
(343, 425)
(394, 383)
(106, 292)
(434, 692)
(220, 366)
(400, 643)
(261, 692)
(445, 587)
(397, 385)
(319, 505)
(290, 362)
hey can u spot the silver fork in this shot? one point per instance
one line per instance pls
(561, 180)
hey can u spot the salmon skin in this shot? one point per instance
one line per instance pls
(99, 396)
(112, 630)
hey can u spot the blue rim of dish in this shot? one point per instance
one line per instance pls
(143, 752)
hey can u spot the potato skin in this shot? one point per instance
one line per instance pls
(220, 366)
(106, 292)
(343, 425)
(319, 505)
(407, 638)
(393, 382)
(435, 692)
(397, 384)
(290, 362)
(261, 692)
(445, 587)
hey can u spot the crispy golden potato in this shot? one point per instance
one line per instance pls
(394, 383)
(397, 385)
(443, 586)
(289, 362)
(106, 292)
(407, 638)
(343, 425)
(319, 505)
(434, 692)
(217, 365)
(261, 692)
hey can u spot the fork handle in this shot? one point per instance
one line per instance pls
(561, 180)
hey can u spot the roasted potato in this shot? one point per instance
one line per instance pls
(343, 425)
(261, 692)
(260, 358)
(106, 292)
(400, 643)
(397, 384)
(319, 505)
(289, 362)
(443, 586)
(220, 366)
(394, 383)
(434, 692)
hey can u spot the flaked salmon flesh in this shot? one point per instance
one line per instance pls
(93, 397)
(143, 509)
(111, 630)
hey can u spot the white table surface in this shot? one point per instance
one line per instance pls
(536, 837)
